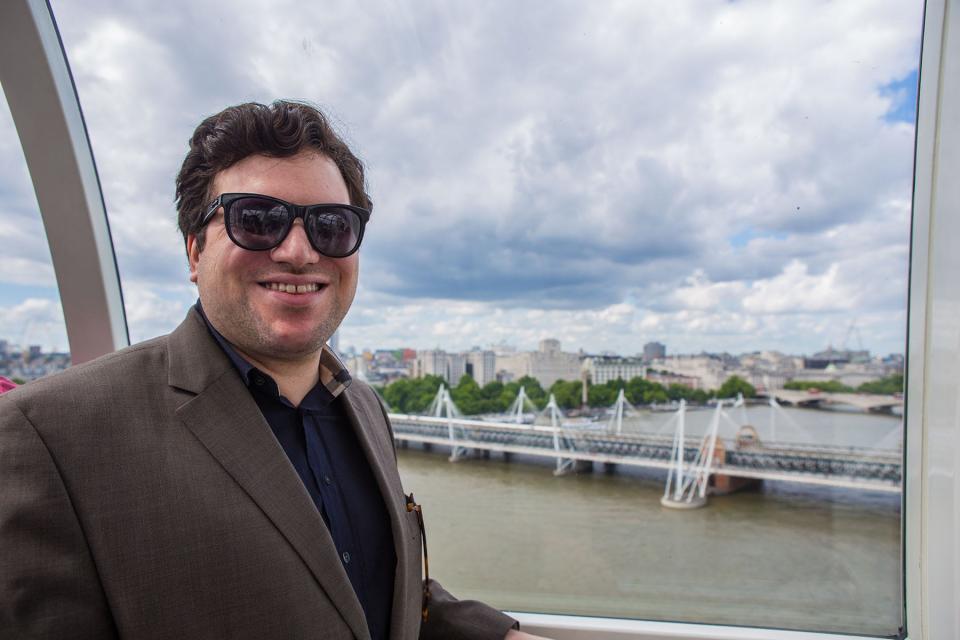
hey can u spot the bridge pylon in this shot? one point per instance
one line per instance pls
(615, 424)
(443, 407)
(561, 443)
(518, 409)
(687, 484)
(553, 410)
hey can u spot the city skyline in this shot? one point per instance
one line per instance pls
(507, 347)
(549, 364)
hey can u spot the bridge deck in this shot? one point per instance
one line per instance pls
(862, 401)
(820, 465)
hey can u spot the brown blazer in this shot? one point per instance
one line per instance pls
(142, 495)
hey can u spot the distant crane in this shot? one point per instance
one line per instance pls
(853, 328)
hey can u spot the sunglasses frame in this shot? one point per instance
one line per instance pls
(226, 200)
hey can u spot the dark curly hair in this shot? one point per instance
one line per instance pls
(281, 129)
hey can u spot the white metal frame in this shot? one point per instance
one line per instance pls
(44, 104)
(932, 497)
(43, 101)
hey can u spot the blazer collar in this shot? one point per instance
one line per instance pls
(194, 360)
(226, 420)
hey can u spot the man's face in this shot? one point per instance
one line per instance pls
(263, 323)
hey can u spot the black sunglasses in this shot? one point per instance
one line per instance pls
(259, 223)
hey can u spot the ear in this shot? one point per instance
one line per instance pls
(193, 255)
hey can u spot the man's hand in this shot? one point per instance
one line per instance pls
(513, 634)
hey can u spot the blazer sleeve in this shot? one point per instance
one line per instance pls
(452, 619)
(49, 587)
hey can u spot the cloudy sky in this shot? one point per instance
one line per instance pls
(713, 175)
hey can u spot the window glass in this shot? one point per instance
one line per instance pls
(33, 336)
(561, 189)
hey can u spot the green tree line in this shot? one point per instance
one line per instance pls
(414, 395)
(885, 386)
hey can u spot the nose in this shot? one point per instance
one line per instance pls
(295, 249)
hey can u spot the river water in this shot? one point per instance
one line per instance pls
(600, 544)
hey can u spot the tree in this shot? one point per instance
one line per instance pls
(885, 386)
(678, 392)
(601, 395)
(468, 397)
(734, 385)
(641, 391)
(492, 390)
(699, 396)
(534, 391)
(655, 396)
(830, 386)
(412, 395)
(567, 393)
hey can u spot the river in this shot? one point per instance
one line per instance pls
(600, 544)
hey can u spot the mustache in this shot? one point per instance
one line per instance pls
(290, 271)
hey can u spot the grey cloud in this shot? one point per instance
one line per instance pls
(552, 155)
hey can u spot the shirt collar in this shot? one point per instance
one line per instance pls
(333, 375)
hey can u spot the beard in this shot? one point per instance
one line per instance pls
(287, 334)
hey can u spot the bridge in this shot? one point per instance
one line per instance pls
(813, 398)
(700, 463)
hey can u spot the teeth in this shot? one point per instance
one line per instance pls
(292, 288)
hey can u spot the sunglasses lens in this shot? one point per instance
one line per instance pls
(335, 232)
(258, 224)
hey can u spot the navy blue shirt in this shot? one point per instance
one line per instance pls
(323, 448)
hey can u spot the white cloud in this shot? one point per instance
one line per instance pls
(150, 314)
(588, 160)
(699, 293)
(34, 321)
(795, 289)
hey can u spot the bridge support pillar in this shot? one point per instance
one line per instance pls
(609, 468)
(722, 485)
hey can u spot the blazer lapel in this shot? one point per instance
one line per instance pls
(368, 423)
(225, 418)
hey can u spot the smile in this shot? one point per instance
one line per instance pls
(291, 288)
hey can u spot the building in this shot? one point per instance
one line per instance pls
(456, 367)
(851, 375)
(547, 365)
(437, 362)
(432, 362)
(709, 369)
(668, 379)
(603, 369)
(482, 366)
(831, 356)
(654, 351)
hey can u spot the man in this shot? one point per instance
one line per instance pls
(228, 480)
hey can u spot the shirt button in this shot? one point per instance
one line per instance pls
(346, 557)
(258, 380)
(327, 481)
